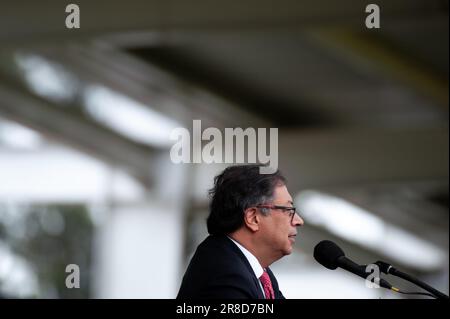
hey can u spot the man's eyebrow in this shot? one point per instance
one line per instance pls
(290, 202)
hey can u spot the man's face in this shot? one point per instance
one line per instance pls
(279, 229)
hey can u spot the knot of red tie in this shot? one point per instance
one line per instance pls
(267, 285)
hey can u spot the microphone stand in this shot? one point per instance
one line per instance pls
(388, 269)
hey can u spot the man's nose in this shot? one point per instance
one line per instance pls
(298, 221)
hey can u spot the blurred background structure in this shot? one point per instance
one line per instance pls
(85, 115)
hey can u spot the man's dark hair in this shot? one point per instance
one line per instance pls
(236, 189)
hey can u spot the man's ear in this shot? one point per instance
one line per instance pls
(251, 218)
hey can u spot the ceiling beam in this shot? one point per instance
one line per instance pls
(39, 22)
(151, 85)
(71, 127)
(366, 52)
(362, 156)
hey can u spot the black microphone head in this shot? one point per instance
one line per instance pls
(327, 253)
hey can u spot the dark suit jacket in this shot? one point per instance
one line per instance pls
(219, 270)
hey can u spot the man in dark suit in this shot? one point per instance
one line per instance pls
(252, 223)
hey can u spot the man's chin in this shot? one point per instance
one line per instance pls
(288, 251)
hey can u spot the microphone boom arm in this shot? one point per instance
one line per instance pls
(388, 269)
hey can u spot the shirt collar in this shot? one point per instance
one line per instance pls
(254, 263)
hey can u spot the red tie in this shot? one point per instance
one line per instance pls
(267, 285)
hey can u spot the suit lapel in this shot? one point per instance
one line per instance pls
(256, 287)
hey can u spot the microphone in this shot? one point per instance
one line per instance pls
(331, 256)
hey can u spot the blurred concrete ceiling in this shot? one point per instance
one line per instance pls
(294, 63)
